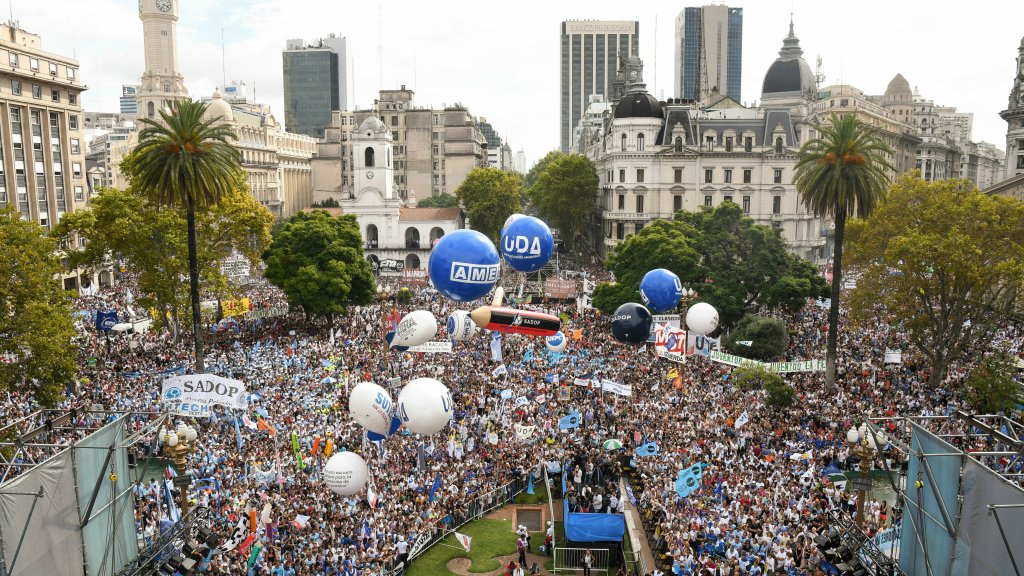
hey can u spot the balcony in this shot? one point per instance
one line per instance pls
(627, 216)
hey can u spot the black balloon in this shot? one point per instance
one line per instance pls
(631, 323)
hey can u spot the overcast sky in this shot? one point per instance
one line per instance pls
(501, 58)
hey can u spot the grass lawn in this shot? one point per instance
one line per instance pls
(491, 538)
(540, 495)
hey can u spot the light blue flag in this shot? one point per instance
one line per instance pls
(172, 509)
(569, 421)
(648, 449)
(496, 347)
(529, 485)
(238, 434)
(506, 394)
(528, 356)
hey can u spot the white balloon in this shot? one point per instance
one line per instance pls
(415, 329)
(702, 318)
(370, 406)
(345, 473)
(557, 342)
(425, 406)
(461, 326)
(511, 218)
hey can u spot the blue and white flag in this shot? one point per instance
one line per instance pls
(551, 378)
(506, 394)
(238, 434)
(496, 347)
(499, 371)
(172, 510)
(569, 421)
(521, 401)
(528, 355)
(434, 488)
(648, 449)
(743, 419)
(106, 320)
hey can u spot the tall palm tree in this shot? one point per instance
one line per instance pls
(185, 160)
(841, 174)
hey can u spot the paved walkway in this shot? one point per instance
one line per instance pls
(635, 526)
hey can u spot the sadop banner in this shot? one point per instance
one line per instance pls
(205, 389)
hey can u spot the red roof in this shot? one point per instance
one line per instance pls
(428, 214)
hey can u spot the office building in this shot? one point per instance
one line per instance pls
(590, 52)
(128, 95)
(708, 52)
(42, 161)
(317, 81)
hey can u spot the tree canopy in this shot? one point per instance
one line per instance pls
(767, 336)
(490, 196)
(990, 388)
(35, 312)
(439, 201)
(943, 261)
(318, 262)
(531, 177)
(565, 195)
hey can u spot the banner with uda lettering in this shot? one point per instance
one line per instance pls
(205, 389)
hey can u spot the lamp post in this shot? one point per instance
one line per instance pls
(178, 443)
(689, 295)
(862, 444)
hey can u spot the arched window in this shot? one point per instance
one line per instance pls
(412, 262)
(371, 236)
(368, 157)
(412, 238)
(679, 144)
(640, 142)
(778, 145)
(623, 147)
(389, 158)
(150, 109)
(435, 234)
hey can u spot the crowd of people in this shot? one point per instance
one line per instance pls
(762, 498)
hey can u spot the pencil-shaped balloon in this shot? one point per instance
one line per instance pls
(516, 321)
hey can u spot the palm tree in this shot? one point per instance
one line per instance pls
(841, 174)
(185, 160)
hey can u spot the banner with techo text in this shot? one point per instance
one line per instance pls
(205, 389)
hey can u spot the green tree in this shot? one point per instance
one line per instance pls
(747, 265)
(780, 394)
(128, 226)
(943, 261)
(35, 312)
(841, 174)
(188, 162)
(768, 338)
(490, 196)
(326, 203)
(439, 201)
(990, 388)
(565, 195)
(318, 262)
(662, 244)
(749, 378)
(403, 296)
(531, 177)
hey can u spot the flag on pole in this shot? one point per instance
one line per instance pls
(172, 509)
(435, 487)
(672, 374)
(743, 419)
(466, 541)
(496, 347)
(240, 532)
(300, 521)
(371, 497)
(238, 434)
(745, 342)
(262, 424)
(499, 371)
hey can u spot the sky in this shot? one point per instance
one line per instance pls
(500, 59)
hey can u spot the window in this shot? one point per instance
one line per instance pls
(79, 194)
(777, 205)
(73, 122)
(37, 91)
(71, 73)
(748, 143)
(707, 200)
(727, 199)
(15, 87)
(708, 175)
(55, 95)
(72, 98)
(75, 146)
(728, 176)
(622, 175)
(149, 109)
(679, 144)
(33, 64)
(623, 142)
(746, 204)
(639, 174)
(728, 144)
(14, 59)
(778, 176)
(778, 145)
(76, 169)
(709, 142)
(622, 201)
(619, 230)
(844, 102)
(639, 203)
(640, 142)
(53, 68)
(433, 135)
(435, 149)
(394, 121)
(747, 174)
(677, 175)
(677, 202)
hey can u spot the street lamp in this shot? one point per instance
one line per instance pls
(689, 295)
(862, 444)
(178, 443)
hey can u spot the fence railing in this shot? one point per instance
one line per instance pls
(570, 560)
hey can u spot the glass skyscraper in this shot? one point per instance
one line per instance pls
(590, 50)
(712, 36)
(317, 81)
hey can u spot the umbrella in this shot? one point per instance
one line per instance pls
(612, 444)
(329, 380)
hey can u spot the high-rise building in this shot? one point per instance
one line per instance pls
(162, 82)
(590, 51)
(42, 162)
(1014, 116)
(708, 52)
(129, 92)
(317, 81)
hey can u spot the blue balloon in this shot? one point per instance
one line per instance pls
(527, 244)
(464, 265)
(661, 290)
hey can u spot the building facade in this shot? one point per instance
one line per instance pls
(708, 52)
(434, 149)
(590, 51)
(317, 81)
(162, 81)
(42, 154)
(128, 102)
(1014, 116)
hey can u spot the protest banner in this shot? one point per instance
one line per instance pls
(205, 389)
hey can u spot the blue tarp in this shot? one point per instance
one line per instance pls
(586, 527)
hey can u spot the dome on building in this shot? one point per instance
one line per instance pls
(789, 75)
(638, 105)
(373, 125)
(218, 109)
(897, 91)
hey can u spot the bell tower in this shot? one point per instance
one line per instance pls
(1014, 116)
(161, 80)
(374, 159)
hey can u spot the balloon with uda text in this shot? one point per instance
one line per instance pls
(661, 290)
(527, 244)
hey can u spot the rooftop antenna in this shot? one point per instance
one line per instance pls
(819, 73)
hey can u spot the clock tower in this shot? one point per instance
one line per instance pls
(161, 81)
(374, 159)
